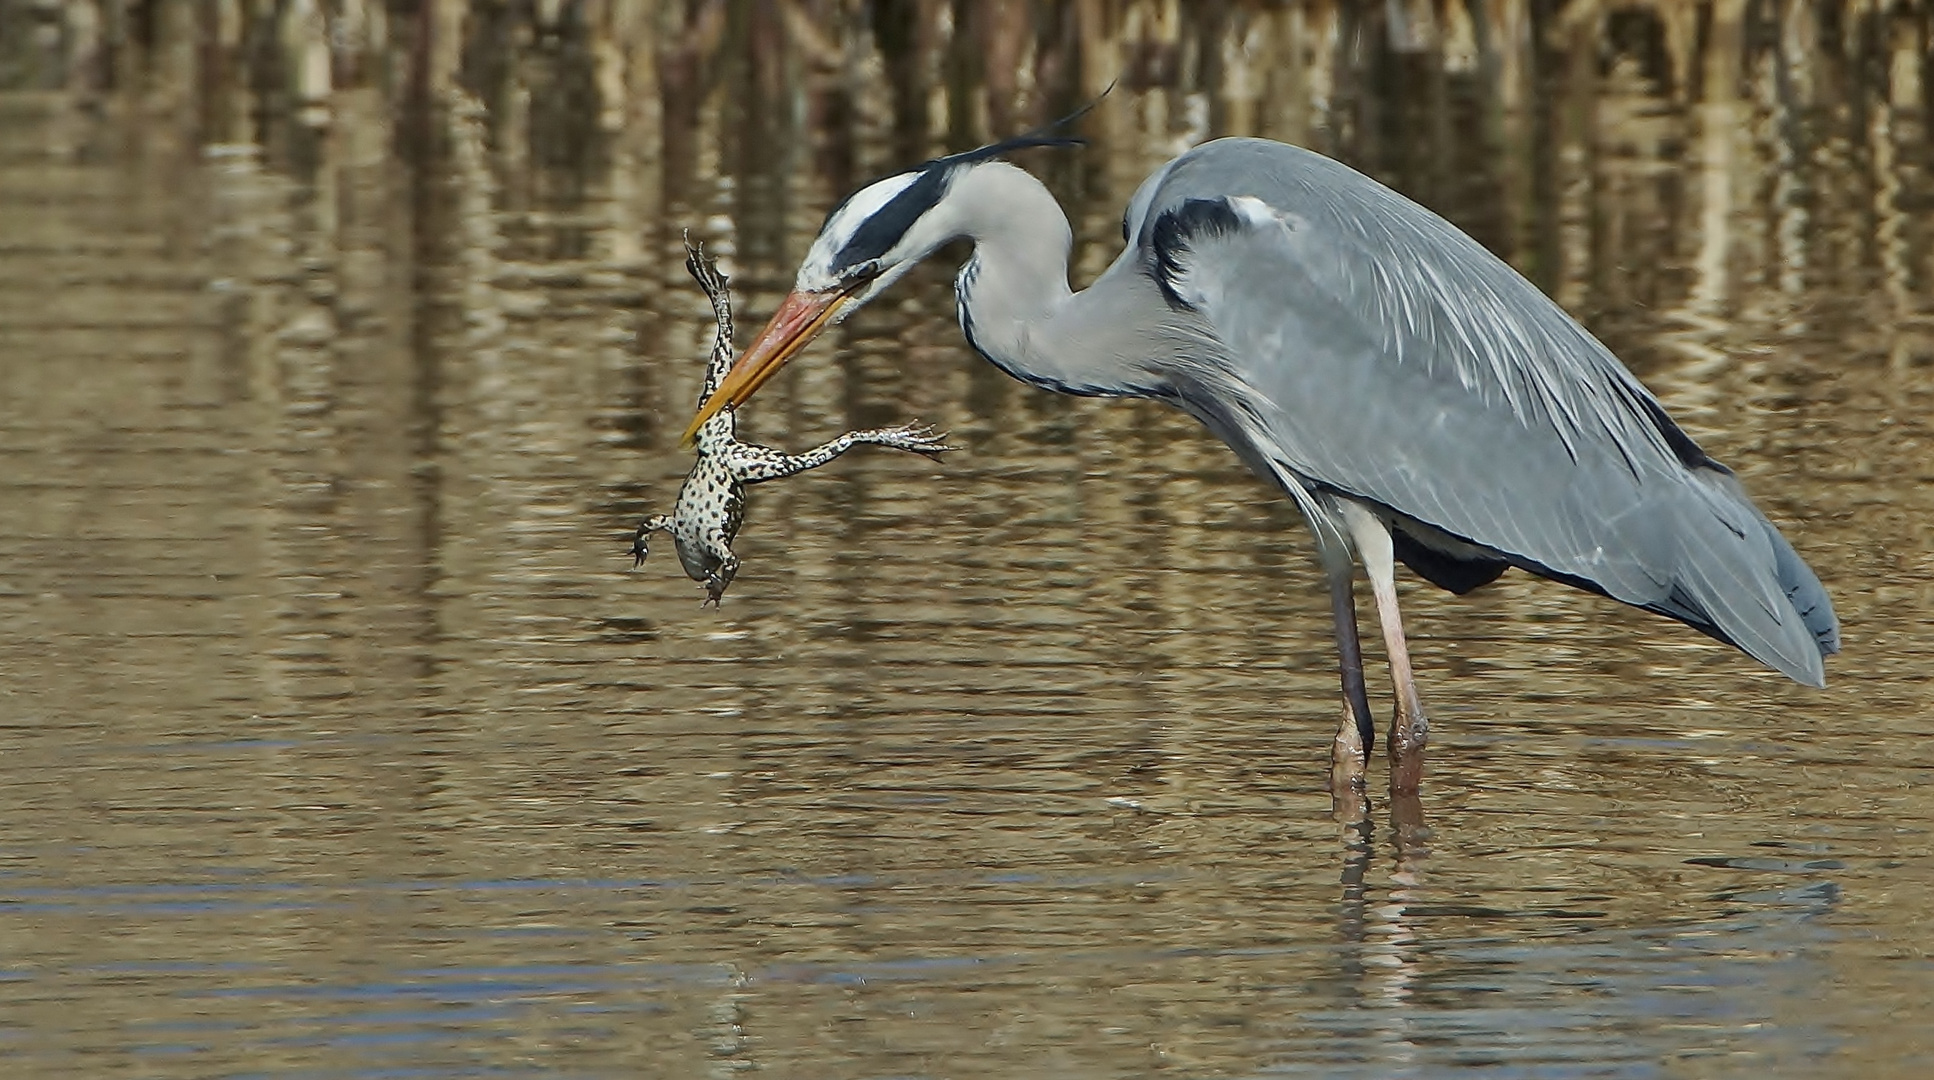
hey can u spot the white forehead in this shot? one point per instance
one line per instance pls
(817, 271)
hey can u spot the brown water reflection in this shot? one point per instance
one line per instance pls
(341, 344)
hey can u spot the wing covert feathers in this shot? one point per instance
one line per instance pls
(1394, 360)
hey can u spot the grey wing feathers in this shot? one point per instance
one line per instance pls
(1389, 357)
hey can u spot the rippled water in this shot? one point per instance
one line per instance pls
(341, 740)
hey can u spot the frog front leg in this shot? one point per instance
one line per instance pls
(652, 524)
(755, 464)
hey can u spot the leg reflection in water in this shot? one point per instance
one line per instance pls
(1378, 947)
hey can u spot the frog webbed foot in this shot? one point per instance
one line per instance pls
(652, 524)
(913, 437)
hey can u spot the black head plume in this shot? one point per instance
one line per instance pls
(873, 237)
(1049, 134)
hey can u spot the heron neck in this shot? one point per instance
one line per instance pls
(1015, 304)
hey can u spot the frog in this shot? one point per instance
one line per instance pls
(710, 508)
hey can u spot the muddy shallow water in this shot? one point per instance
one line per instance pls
(339, 357)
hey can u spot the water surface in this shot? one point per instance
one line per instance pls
(341, 351)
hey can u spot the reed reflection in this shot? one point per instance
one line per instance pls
(1720, 189)
(420, 263)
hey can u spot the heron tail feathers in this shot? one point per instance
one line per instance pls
(1739, 580)
(1804, 591)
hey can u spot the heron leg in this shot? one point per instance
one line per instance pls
(1358, 733)
(1409, 730)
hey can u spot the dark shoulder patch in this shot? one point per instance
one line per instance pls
(1176, 230)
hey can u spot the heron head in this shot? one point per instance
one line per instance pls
(866, 244)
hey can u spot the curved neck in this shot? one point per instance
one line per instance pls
(1015, 305)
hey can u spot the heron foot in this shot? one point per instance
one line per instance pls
(1409, 733)
(1349, 763)
(1409, 832)
(1349, 803)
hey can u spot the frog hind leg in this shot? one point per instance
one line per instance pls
(721, 575)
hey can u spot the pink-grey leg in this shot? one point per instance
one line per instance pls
(1409, 729)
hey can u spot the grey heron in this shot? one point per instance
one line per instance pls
(1417, 398)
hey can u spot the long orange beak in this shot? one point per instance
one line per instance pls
(797, 322)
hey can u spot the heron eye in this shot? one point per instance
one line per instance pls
(864, 272)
